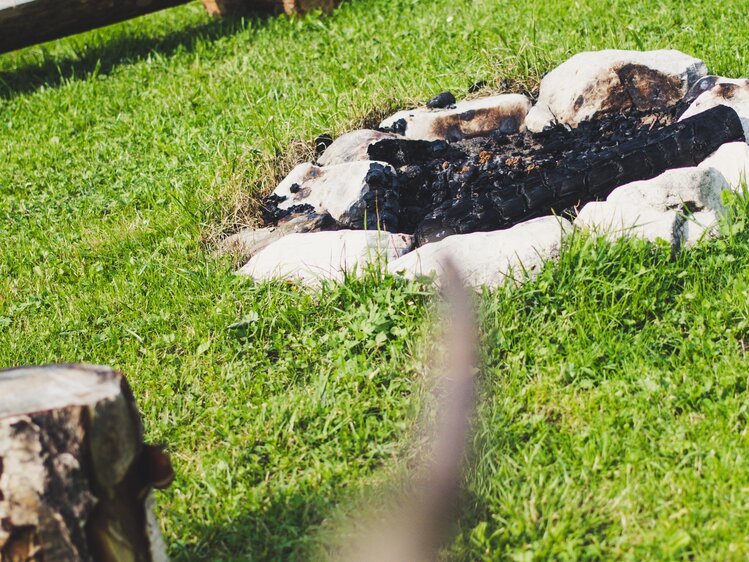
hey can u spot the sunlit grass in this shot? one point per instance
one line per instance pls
(613, 404)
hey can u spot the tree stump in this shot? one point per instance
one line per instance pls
(290, 7)
(75, 475)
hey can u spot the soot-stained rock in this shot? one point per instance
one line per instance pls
(731, 160)
(676, 206)
(357, 195)
(352, 146)
(503, 113)
(592, 83)
(312, 257)
(489, 258)
(714, 90)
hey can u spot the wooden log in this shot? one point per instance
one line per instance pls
(290, 7)
(28, 22)
(75, 475)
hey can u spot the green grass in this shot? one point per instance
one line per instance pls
(613, 416)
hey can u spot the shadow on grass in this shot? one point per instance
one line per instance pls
(282, 529)
(102, 54)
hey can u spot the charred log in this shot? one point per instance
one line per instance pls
(583, 177)
(494, 183)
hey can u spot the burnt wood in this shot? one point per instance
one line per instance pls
(583, 177)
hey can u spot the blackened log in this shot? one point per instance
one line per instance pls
(585, 177)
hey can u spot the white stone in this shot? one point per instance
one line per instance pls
(249, 241)
(699, 225)
(489, 258)
(336, 190)
(311, 257)
(731, 160)
(468, 118)
(612, 80)
(695, 188)
(678, 206)
(538, 118)
(352, 146)
(621, 220)
(725, 91)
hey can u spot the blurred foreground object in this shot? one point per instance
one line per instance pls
(75, 475)
(28, 22)
(422, 523)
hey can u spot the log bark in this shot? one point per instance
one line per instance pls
(75, 475)
(290, 7)
(28, 22)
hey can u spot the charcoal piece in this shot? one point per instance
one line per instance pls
(476, 86)
(402, 152)
(579, 178)
(322, 142)
(441, 100)
(381, 202)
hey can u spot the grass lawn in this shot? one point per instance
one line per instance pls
(614, 410)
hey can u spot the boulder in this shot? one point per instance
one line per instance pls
(466, 119)
(714, 90)
(249, 241)
(356, 194)
(731, 160)
(489, 258)
(677, 206)
(352, 146)
(312, 257)
(596, 82)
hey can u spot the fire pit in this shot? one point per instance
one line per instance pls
(493, 164)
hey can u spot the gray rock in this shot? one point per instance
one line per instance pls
(722, 91)
(312, 257)
(466, 119)
(489, 258)
(612, 80)
(678, 206)
(356, 194)
(352, 146)
(249, 241)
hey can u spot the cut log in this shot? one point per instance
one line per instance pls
(290, 7)
(28, 22)
(75, 475)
